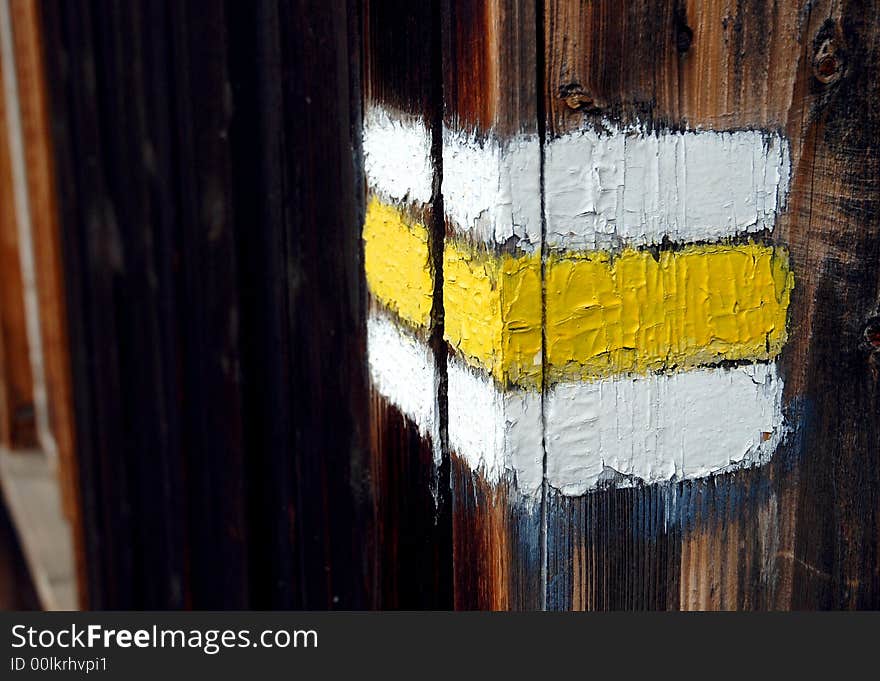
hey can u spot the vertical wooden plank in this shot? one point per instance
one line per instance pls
(258, 143)
(797, 531)
(410, 465)
(149, 264)
(492, 299)
(72, 109)
(323, 189)
(57, 438)
(211, 332)
(17, 427)
(214, 284)
(833, 234)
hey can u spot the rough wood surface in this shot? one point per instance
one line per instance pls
(57, 438)
(207, 182)
(490, 66)
(17, 427)
(801, 532)
(490, 88)
(231, 450)
(411, 522)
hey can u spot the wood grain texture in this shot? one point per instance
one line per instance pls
(17, 425)
(720, 64)
(490, 66)
(324, 186)
(209, 195)
(412, 528)
(231, 451)
(498, 560)
(801, 532)
(59, 438)
(490, 57)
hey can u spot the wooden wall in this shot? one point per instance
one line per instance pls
(236, 445)
(207, 164)
(800, 531)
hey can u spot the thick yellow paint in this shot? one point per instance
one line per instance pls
(397, 262)
(492, 310)
(636, 313)
(629, 312)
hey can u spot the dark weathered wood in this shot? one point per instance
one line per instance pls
(490, 62)
(833, 230)
(231, 450)
(208, 175)
(802, 531)
(326, 307)
(257, 132)
(17, 426)
(57, 435)
(490, 57)
(412, 523)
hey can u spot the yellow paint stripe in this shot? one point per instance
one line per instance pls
(397, 262)
(636, 313)
(492, 308)
(606, 313)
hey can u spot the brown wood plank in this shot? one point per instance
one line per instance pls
(801, 531)
(59, 439)
(17, 425)
(411, 534)
(490, 57)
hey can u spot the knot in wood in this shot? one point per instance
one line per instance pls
(684, 36)
(577, 98)
(827, 62)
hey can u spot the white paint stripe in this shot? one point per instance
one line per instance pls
(397, 156)
(402, 371)
(631, 188)
(495, 431)
(678, 426)
(491, 189)
(654, 429)
(621, 186)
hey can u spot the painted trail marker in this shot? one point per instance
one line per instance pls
(656, 364)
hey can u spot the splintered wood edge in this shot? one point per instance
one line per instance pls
(33, 497)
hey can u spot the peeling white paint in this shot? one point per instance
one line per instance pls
(657, 428)
(618, 187)
(629, 187)
(402, 371)
(605, 188)
(662, 427)
(491, 189)
(397, 156)
(496, 431)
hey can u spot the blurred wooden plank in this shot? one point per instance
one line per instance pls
(56, 434)
(17, 425)
(325, 307)
(211, 217)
